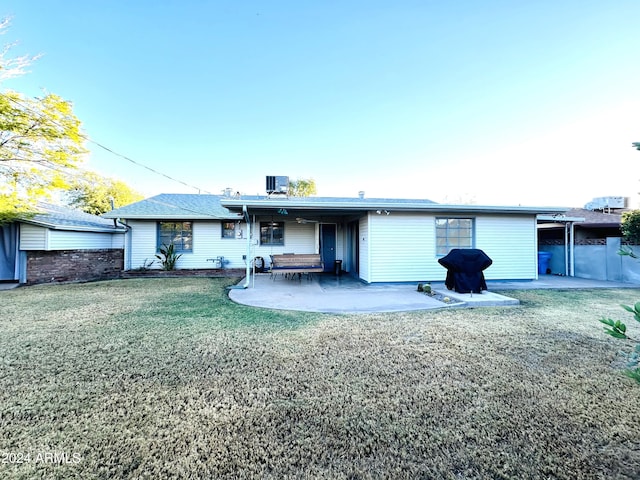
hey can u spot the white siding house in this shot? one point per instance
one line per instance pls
(402, 247)
(377, 240)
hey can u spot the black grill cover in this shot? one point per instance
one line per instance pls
(464, 269)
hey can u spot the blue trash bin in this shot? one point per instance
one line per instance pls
(543, 261)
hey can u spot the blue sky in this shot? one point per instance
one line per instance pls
(492, 102)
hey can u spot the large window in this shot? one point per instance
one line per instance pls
(453, 233)
(271, 233)
(180, 234)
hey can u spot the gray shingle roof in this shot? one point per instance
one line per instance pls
(180, 206)
(373, 202)
(174, 206)
(65, 218)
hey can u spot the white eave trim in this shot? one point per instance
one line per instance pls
(76, 228)
(391, 206)
(559, 218)
(186, 216)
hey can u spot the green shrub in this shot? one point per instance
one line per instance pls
(168, 257)
(617, 329)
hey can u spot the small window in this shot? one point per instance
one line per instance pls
(271, 233)
(229, 229)
(453, 233)
(180, 234)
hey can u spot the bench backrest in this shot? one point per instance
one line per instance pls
(299, 259)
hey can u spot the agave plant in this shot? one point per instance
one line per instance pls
(168, 257)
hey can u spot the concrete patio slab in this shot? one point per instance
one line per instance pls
(331, 294)
(485, 299)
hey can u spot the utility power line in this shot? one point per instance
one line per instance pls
(110, 150)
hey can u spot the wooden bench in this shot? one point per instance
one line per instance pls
(297, 263)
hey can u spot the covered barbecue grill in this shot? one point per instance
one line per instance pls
(464, 269)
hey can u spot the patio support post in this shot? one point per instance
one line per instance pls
(567, 248)
(573, 249)
(248, 255)
(249, 260)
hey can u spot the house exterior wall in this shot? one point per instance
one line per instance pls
(298, 238)
(400, 247)
(208, 243)
(33, 237)
(403, 247)
(73, 265)
(510, 241)
(66, 240)
(142, 243)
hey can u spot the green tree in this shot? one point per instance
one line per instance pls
(302, 187)
(636, 144)
(630, 226)
(94, 194)
(40, 143)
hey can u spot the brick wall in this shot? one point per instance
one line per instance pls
(73, 265)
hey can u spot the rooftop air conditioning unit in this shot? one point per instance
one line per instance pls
(277, 185)
(604, 203)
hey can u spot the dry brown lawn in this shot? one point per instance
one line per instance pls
(167, 378)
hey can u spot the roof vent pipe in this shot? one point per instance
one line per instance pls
(361, 194)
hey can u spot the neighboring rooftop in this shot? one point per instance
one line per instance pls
(596, 218)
